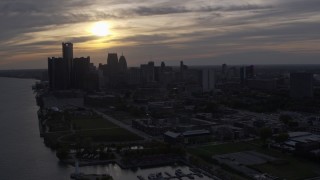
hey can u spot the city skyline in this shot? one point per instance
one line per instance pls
(197, 32)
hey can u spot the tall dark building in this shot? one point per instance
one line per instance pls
(301, 85)
(113, 64)
(250, 72)
(147, 72)
(114, 71)
(208, 82)
(81, 67)
(122, 64)
(246, 72)
(56, 78)
(65, 72)
(163, 65)
(224, 69)
(67, 54)
(183, 69)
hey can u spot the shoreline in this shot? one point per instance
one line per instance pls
(22, 78)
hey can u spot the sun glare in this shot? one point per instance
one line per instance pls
(100, 29)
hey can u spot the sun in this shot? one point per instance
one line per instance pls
(100, 29)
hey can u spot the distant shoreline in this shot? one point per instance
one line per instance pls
(191, 65)
(30, 78)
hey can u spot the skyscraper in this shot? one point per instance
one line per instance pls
(67, 54)
(66, 72)
(113, 64)
(122, 64)
(81, 67)
(183, 69)
(246, 72)
(147, 72)
(224, 69)
(208, 83)
(56, 78)
(112, 59)
(163, 65)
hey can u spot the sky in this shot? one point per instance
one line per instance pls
(199, 32)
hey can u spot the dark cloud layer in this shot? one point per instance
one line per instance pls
(163, 29)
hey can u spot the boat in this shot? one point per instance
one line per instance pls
(195, 170)
(168, 174)
(159, 176)
(152, 177)
(190, 176)
(198, 174)
(88, 176)
(178, 172)
(76, 175)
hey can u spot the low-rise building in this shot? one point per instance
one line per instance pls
(188, 137)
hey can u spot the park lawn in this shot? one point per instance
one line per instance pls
(206, 152)
(293, 168)
(122, 116)
(95, 123)
(228, 148)
(107, 135)
(292, 171)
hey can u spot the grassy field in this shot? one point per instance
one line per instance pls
(95, 123)
(97, 129)
(123, 117)
(107, 135)
(292, 168)
(206, 152)
(227, 148)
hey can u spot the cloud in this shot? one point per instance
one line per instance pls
(165, 29)
(149, 11)
(18, 7)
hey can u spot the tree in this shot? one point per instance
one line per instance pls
(211, 107)
(293, 124)
(62, 153)
(280, 138)
(265, 134)
(285, 118)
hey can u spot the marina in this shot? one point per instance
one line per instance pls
(178, 174)
(168, 172)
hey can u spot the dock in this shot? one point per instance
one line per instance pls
(168, 176)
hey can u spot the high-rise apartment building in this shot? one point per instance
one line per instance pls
(246, 72)
(208, 82)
